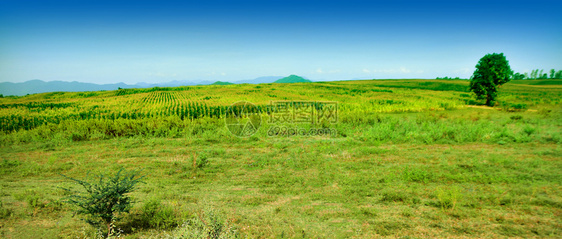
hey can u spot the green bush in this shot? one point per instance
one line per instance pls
(416, 175)
(529, 130)
(35, 201)
(511, 107)
(202, 161)
(5, 212)
(105, 197)
(394, 196)
(449, 198)
(156, 215)
(208, 224)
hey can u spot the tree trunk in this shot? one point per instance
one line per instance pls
(488, 100)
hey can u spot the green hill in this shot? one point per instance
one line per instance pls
(292, 79)
(222, 83)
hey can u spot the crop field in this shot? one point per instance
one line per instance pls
(408, 159)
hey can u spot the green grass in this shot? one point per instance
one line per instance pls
(412, 158)
(324, 187)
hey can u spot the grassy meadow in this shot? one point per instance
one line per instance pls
(411, 159)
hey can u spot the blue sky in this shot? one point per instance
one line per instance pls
(160, 41)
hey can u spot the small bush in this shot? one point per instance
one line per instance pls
(202, 161)
(529, 130)
(7, 165)
(449, 198)
(514, 107)
(34, 201)
(105, 197)
(394, 196)
(208, 224)
(5, 212)
(519, 106)
(368, 212)
(156, 215)
(417, 175)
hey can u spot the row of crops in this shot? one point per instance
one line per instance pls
(164, 106)
(10, 123)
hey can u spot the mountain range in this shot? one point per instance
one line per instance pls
(39, 86)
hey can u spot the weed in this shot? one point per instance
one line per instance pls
(208, 224)
(529, 130)
(368, 212)
(202, 161)
(7, 165)
(387, 228)
(34, 201)
(449, 198)
(394, 196)
(407, 212)
(157, 215)
(417, 175)
(5, 212)
(510, 231)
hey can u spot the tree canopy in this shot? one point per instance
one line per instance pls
(491, 72)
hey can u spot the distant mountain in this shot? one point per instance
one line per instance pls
(222, 83)
(175, 83)
(260, 80)
(38, 86)
(292, 79)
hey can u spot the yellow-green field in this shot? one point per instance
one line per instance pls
(411, 159)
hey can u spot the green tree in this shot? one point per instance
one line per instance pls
(558, 75)
(552, 72)
(534, 74)
(491, 72)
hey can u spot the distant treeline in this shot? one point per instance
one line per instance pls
(538, 74)
(448, 78)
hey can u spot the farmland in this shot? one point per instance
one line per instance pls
(411, 158)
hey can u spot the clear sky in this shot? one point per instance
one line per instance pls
(160, 41)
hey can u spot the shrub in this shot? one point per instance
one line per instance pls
(394, 196)
(203, 161)
(529, 130)
(5, 212)
(208, 224)
(449, 198)
(155, 214)
(416, 175)
(105, 197)
(510, 107)
(34, 201)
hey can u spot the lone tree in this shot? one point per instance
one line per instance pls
(491, 72)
